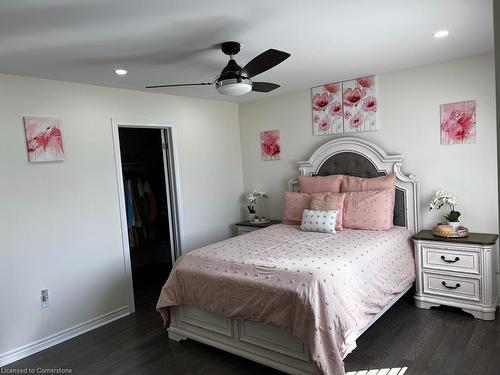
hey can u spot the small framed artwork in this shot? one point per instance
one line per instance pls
(44, 139)
(458, 122)
(360, 105)
(345, 107)
(270, 144)
(326, 101)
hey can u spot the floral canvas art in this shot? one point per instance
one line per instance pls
(44, 139)
(359, 98)
(345, 107)
(458, 122)
(270, 144)
(326, 103)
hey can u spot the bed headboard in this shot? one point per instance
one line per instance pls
(361, 158)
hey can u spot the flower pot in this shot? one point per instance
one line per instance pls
(251, 216)
(454, 224)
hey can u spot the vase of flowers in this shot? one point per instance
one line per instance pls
(443, 198)
(252, 199)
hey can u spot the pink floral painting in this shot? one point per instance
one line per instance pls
(458, 122)
(359, 98)
(270, 144)
(326, 103)
(44, 139)
(345, 107)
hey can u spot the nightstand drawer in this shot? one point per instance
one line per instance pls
(447, 259)
(245, 230)
(451, 286)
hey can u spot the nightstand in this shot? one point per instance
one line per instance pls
(246, 226)
(459, 272)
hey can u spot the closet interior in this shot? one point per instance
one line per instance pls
(143, 167)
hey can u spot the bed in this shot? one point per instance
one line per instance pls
(297, 301)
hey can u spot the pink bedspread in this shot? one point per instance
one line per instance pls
(322, 288)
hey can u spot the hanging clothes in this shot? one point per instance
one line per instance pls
(142, 210)
(128, 202)
(143, 207)
(151, 210)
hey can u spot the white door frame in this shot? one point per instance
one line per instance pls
(177, 210)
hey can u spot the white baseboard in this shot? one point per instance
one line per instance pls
(57, 338)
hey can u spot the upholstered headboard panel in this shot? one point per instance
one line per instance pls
(349, 163)
(357, 157)
(354, 164)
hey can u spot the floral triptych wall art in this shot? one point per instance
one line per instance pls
(345, 107)
(44, 139)
(458, 122)
(270, 144)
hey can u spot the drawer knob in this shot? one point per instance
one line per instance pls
(450, 286)
(449, 260)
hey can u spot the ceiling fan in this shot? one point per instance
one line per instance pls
(235, 80)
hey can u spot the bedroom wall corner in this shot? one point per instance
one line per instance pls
(60, 223)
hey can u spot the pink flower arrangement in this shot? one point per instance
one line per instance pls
(458, 125)
(352, 96)
(44, 139)
(332, 88)
(324, 125)
(366, 82)
(320, 101)
(270, 143)
(336, 109)
(355, 121)
(349, 106)
(370, 104)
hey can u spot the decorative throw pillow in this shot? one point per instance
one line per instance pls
(320, 184)
(372, 210)
(319, 221)
(352, 183)
(295, 204)
(327, 202)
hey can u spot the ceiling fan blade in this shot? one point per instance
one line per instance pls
(180, 85)
(264, 86)
(265, 61)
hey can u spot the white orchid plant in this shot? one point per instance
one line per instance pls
(443, 198)
(252, 198)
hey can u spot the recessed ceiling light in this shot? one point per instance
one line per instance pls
(121, 72)
(440, 34)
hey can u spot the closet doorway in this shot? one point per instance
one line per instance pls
(148, 207)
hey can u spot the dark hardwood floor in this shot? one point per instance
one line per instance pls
(439, 341)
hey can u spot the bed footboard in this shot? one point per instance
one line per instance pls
(263, 343)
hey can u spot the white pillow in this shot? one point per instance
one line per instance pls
(319, 221)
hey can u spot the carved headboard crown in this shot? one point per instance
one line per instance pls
(361, 158)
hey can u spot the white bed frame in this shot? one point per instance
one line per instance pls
(268, 344)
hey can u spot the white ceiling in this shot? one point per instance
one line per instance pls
(167, 41)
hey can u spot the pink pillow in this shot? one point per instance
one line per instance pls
(372, 210)
(328, 202)
(295, 204)
(351, 183)
(320, 184)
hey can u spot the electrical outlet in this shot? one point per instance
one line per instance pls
(44, 298)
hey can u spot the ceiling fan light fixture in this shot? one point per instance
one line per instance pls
(234, 87)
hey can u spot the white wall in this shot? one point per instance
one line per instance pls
(496, 24)
(59, 222)
(409, 115)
